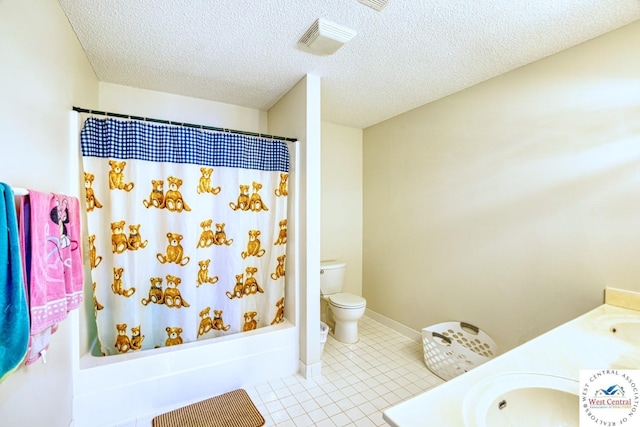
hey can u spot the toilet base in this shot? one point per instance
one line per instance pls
(346, 332)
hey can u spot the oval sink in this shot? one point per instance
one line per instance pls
(628, 330)
(623, 346)
(523, 400)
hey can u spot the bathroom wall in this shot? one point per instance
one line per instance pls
(160, 105)
(43, 73)
(341, 219)
(512, 204)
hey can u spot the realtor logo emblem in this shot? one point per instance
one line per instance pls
(609, 397)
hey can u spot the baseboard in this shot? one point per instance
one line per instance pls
(396, 326)
(309, 371)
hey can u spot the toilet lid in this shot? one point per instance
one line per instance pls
(347, 300)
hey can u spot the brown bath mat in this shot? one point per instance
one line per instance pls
(232, 409)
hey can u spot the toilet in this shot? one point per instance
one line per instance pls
(347, 309)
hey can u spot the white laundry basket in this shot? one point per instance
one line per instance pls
(453, 348)
(324, 331)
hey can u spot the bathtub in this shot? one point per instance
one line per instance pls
(114, 389)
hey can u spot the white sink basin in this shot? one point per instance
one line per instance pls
(626, 329)
(522, 400)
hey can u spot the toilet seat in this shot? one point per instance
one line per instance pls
(345, 300)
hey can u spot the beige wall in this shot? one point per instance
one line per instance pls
(166, 106)
(510, 205)
(44, 72)
(341, 219)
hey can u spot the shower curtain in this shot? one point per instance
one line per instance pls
(187, 232)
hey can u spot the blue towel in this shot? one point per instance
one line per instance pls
(14, 312)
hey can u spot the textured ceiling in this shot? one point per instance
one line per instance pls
(244, 52)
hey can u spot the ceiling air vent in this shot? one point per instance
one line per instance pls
(324, 37)
(375, 4)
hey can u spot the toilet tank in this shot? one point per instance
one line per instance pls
(331, 277)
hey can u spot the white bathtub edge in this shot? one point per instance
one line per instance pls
(112, 393)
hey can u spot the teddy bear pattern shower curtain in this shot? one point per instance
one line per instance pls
(187, 232)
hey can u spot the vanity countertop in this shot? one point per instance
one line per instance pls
(583, 343)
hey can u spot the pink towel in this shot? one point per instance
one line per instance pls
(73, 273)
(55, 272)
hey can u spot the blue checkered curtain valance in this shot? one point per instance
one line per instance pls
(117, 139)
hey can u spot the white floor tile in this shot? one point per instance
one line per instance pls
(323, 400)
(380, 403)
(282, 393)
(316, 392)
(349, 391)
(274, 406)
(326, 423)
(268, 397)
(377, 419)
(328, 388)
(277, 384)
(358, 399)
(354, 414)
(345, 404)
(331, 410)
(367, 408)
(289, 381)
(303, 421)
(263, 388)
(392, 398)
(403, 393)
(280, 417)
(289, 401)
(341, 419)
(295, 411)
(310, 405)
(303, 396)
(369, 395)
(317, 415)
(337, 396)
(296, 388)
(365, 422)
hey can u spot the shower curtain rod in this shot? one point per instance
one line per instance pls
(191, 125)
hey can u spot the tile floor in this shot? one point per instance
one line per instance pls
(358, 382)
